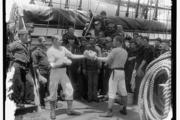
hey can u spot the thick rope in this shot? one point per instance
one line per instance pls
(147, 110)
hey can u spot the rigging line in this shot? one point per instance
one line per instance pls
(147, 9)
(48, 21)
(167, 24)
(156, 10)
(150, 21)
(118, 8)
(90, 4)
(164, 35)
(137, 9)
(58, 19)
(76, 14)
(164, 31)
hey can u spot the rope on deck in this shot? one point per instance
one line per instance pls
(148, 110)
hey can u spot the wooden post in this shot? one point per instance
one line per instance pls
(118, 8)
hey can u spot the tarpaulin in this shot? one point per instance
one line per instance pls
(65, 17)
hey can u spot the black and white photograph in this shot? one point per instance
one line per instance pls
(88, 60)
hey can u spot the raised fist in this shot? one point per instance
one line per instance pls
(89, 54)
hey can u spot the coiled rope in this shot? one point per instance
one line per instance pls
(149, 97)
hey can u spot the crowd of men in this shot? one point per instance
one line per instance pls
(89, 78)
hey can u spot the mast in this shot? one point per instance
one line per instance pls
(156, 10)
(146, 10)
(80, 5)
(137, 9)
(50, 3)
(32, 2)
(67, 4)
(127, 12)
(118, 8)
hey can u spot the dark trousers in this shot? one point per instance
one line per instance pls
(106, 76)
(136, 90)
(128, 74)
(29, 87)
(92, 77)
(75, 81)
(83, 85)
(43, 88)
(19, 84)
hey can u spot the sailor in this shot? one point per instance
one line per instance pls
(74, 69)
(41, 65)
(20, 61)
(91, 69)
(58, 57)
(143, 57)
(116, 59)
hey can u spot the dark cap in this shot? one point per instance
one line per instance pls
(103, 12)
(158, 39)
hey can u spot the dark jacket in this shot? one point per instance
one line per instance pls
(40, 60)
(20, 52)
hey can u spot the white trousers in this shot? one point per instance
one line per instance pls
(117, 84)
(59, 76)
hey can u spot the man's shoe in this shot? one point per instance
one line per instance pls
(72, 112)
(106, 114)
(42, 107)
(123, 111)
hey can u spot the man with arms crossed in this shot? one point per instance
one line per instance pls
(116, 60)
(58, 59)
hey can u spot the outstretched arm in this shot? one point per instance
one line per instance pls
(106, 59)
(102, 59)
(75, 56)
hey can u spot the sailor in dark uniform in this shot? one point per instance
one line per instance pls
(20, 61)
(41, 64)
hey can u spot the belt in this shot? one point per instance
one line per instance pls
(21, 63)
(113, 69)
